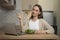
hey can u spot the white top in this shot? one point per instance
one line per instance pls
(34, 25)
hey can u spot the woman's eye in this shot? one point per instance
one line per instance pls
(36, 10)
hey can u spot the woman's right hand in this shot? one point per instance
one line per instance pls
(19, 16)
(37, 32)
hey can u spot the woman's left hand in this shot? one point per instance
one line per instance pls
(40, 32)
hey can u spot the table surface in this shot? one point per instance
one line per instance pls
(30, 36)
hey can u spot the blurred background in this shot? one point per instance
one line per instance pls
(10, 8)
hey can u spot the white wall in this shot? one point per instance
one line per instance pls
(57, 14)
(47, 5)
(58, 18)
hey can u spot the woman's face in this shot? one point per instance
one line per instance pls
(35, 11)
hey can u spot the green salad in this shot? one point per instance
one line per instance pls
(29, 31)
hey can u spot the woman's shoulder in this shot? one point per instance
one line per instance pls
(42, 20)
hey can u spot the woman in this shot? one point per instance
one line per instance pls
(36, 21)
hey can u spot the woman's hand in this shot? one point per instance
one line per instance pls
(19, 16)
(40, 32)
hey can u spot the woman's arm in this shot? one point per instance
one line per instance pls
(23, 21)
(20, 19)
(40, 31)
(29, 15)
(49, 29)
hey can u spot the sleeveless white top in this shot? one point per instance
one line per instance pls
(34, 25)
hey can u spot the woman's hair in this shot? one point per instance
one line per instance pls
(40, 9)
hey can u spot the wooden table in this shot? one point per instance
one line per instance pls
(31, 36)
